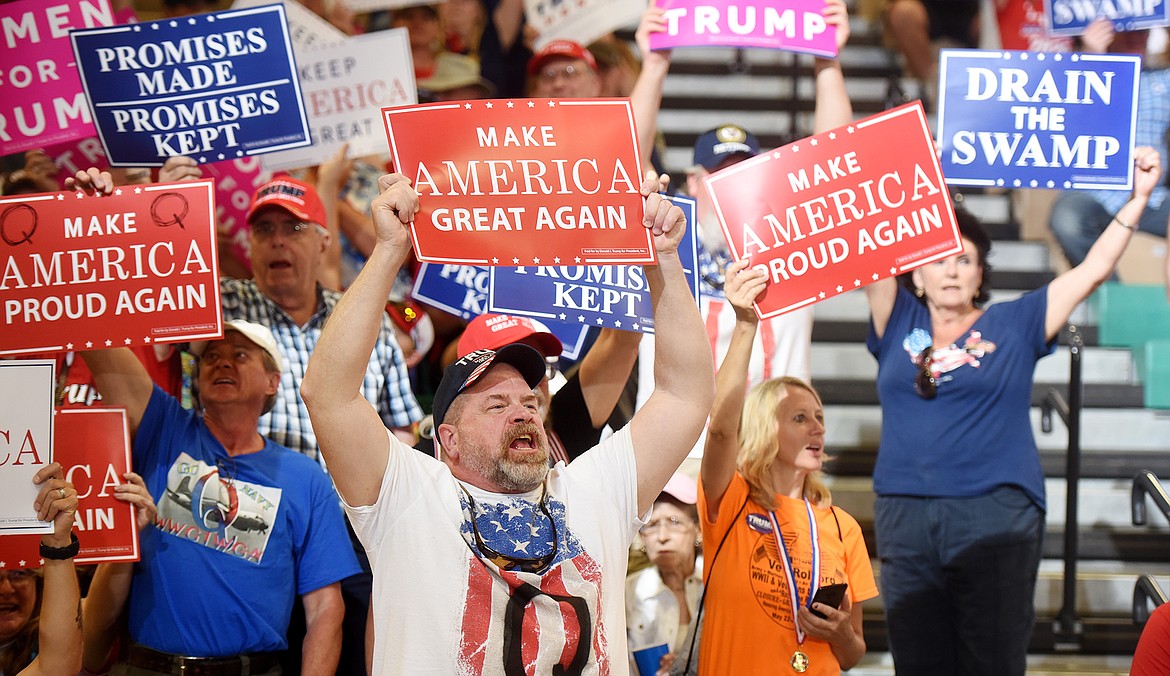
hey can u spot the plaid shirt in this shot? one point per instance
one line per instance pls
(1153, 120)
(385, 385)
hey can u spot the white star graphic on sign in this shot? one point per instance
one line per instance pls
(617, 323)
(875, 276)
(776, 155)
(146, 339)
(138, 191)
(563, 316)
(515, 261)
(23, 563)
(840, 288)
(69, 346)
(576, 259)
(80, 195)
(556, 259)
(210, 18)
(581, 318)
(239, 153)
(635, 327)
(174, 24)
(109, 343)
(60, 197)
(221, 156)
(2, 564)
(536, 261)
(532, 104)
(857, 282)
(812, 142)
(832, 136)
(117, 191)
(495, 260)
(154, 26)
(192, 21)
(489, 105)
(467, 106)
(137, 29)
(511, 105)
(203, 159)
(796, 149)
(514, 511)
(600, 321)
(893, 271)
(127, 341)
(89, 343)
(521, 546)
(552, 104)
(849, 129)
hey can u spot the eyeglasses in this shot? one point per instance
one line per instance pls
(505, 562)
(925, 384)
(671, 525)
(267, 229)
(18, 578)
(569, 72)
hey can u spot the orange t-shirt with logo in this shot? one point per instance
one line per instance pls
(748, 626)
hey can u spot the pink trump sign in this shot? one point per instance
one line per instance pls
(793, 25)
(41, 99)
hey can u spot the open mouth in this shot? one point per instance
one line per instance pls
(279, 265)
(523, 442)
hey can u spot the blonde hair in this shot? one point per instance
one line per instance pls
(759, 445)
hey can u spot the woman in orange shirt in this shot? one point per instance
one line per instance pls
(767, 516)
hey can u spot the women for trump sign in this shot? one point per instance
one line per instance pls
(517, 182)
(839, 210)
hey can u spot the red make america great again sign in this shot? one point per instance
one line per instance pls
(86, 272)
(524, 181)
(839, 210)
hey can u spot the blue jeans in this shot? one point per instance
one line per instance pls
(1077, 220)
(958, 579)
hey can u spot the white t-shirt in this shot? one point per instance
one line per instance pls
(442, 607)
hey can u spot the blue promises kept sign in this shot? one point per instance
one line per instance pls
(613, 296)
(213, 87)
(462, 290)
(1071, 17)
(1038, 120)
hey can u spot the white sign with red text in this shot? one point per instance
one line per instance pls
(26, 440)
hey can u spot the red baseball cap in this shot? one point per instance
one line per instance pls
(560, 49)
(491, 332)
(296, 197)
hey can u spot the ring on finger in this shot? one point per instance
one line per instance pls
(61, 493)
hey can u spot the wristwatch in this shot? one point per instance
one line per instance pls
(61, 553)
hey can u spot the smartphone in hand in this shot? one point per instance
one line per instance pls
(831, 595)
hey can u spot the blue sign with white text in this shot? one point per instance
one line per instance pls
(462, 290)
(213, 87)
(613, 296)
(1072, 17)
(1036, 119)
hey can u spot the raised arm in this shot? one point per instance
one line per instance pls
(60, 620)
(605, 370)
(668, 425)
(349, 431)
(742, 288)
(833, 107)
(122, 381)
(110, 587)
(646, 96)
(1072, 287)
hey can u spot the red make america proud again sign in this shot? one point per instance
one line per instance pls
(524, 181)
(86, 272)
(839, 210)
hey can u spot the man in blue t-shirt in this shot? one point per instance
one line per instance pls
(244, 525)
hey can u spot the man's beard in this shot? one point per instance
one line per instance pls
(510, 473)
(711, 235)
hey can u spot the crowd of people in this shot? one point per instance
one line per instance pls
(353, 482)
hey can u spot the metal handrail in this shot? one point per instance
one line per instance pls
(1145, 483)
(1146, 589)
(1066, 627)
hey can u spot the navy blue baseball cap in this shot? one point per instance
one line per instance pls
(472, 366)
(716, 145)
